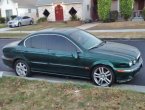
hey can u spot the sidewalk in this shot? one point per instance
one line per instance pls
(64, 80)
(87, 26)
(5, 29)
(118, 30)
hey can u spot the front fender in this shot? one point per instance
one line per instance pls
(102, 62)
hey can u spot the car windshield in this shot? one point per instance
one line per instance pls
(85, 39)
(17, 18)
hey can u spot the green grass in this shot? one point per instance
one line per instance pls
(133, 35)
(21, 94)
(119, 25)
(46, 25)
(3, 25)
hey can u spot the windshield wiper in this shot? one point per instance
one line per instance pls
(96, 46)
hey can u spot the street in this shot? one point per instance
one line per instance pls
(140, 44)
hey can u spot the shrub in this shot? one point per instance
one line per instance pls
(2, 20)
(74, 18)
(143, 13)
(104, 7)
(43, 19)
(13, 16)
(113, 15)
(126, 8)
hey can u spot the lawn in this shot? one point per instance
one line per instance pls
(21, 94)
(3, 25)
(13, 35)
(46, 25)
(129, 35)
(119, 25)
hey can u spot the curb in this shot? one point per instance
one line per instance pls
(134, 88)
(1, 74)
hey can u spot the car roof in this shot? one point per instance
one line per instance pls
(62, 31)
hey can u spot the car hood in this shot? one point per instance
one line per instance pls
(118, 50)
(13, 21)
(12, 44)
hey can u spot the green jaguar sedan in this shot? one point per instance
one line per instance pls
(75, 53)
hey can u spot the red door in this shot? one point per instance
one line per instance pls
(59, 13)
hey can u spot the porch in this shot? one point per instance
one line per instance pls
(138, 7)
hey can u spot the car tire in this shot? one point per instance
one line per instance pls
(103, 76)
(19, 24)
(31, 22)
(22, 68)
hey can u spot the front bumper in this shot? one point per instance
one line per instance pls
(127, 74)
(8, 61)
(13, 25)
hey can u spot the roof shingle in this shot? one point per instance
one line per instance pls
(48, 2)
(26, 3)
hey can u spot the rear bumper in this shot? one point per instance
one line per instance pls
(128, 74)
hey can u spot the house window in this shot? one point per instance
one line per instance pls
(29, 10)
(72, 11)
(46, 13)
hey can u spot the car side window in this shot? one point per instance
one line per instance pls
(25, 17)
(38, 42)
(50, 42)
(56, 42)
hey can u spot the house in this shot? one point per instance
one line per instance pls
(61, 10)
(18, 8)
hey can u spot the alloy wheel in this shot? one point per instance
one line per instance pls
(22, 68)
(103, 76)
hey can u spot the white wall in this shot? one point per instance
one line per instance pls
(25, 12)
(86, 12)
(10, 6)
(77, 7)
(66, 8)
(50, 8)
(15, 10)
(114, 5)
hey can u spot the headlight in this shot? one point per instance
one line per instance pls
(130, 63)
(134, 62)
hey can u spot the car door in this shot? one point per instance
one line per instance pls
(24, 20)
(27, 20)
(63, 57)
(36, 53)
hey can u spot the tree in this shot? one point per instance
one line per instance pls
(104, 7)
(126, 8)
